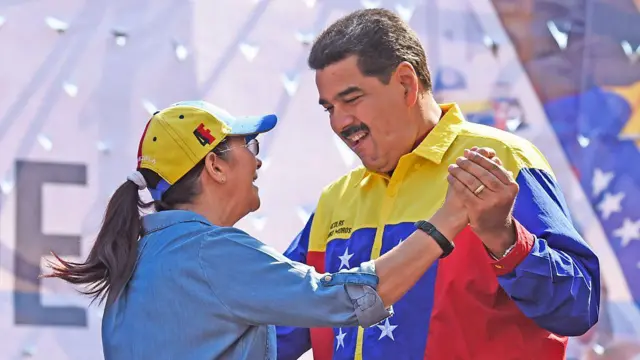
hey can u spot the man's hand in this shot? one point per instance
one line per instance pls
(488, 192)
(454, 204)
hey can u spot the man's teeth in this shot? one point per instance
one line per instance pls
(357, 136)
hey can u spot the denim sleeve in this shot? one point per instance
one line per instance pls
(295, 341)
(261, 286)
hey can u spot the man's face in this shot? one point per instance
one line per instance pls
(370, 117)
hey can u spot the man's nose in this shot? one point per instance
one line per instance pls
(342, 121)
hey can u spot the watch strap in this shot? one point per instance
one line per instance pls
(444, 243)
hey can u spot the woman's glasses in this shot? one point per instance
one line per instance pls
(253, 145)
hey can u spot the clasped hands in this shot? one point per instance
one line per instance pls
(482, 193)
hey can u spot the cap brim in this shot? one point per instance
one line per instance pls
(252, 125)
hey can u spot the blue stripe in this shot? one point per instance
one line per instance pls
(350, 339)
(558, 283)
(297, 250)
(359, 246)
(412, 312)
(292, 342)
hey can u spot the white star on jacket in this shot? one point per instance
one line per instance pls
(340, 339)
(386, 329)
(344, 259)
(630, 230)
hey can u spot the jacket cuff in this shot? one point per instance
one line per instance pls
(368, 305)
(521, 248)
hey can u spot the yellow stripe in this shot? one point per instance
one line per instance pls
(359, 341)
(387, 205)
(342, 207)
(386, 209)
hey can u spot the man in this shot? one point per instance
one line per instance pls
(520, 279)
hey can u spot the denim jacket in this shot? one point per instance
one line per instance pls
(201, 291)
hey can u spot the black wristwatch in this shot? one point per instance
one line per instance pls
(446, 245)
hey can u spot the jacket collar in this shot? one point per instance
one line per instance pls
(439, 139)
(163, 219)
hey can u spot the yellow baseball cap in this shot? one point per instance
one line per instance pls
(178, 137)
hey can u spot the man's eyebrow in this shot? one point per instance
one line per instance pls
(348, 91)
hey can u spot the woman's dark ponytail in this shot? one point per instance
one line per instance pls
(113, 256)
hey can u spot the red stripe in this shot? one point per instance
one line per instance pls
(144, 133)
(470, 306)
(321, 338)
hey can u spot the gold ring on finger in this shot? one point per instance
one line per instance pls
(479, 189)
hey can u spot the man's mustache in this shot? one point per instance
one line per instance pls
(353, 129)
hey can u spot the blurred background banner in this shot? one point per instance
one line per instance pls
(79, 80)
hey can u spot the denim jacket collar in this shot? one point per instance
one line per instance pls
(163, 219)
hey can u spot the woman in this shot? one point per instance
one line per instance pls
(183, 283)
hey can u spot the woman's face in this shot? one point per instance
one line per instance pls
(242, 171)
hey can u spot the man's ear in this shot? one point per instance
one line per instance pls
(215, 168)
(407, 77)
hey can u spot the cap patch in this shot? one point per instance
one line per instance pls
(204, 135)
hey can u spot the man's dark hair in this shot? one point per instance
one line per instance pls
(380, 39)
